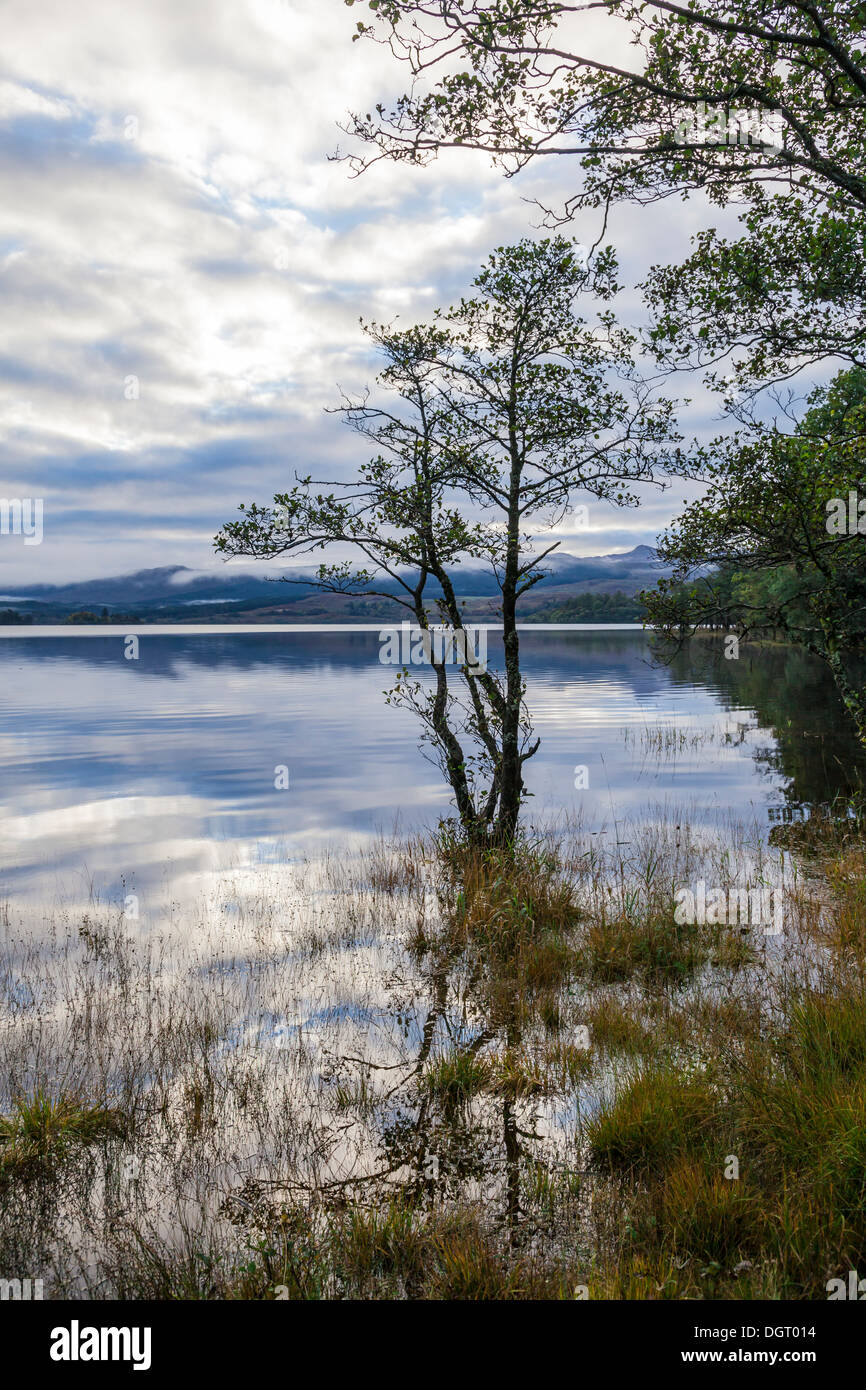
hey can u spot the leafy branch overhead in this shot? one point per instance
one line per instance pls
(758, 103)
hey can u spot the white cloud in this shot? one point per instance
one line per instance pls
(183, 269)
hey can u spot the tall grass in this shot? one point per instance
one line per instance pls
(433, 1071)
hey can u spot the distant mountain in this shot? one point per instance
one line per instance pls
(562, 564)
(177, 593)
(170, 585)
(628, 570)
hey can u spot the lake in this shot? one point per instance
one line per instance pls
(154, 775)
(286, 1003)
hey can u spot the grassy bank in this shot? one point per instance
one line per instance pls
(434, 1073)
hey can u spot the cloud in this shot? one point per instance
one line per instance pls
(182, 269)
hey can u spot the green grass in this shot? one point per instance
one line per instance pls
(659, 1116)
(793, 1114)
(457, 1077)
(45, 1126)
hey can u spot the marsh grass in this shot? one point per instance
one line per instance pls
(42, 1127)
(431, 1071)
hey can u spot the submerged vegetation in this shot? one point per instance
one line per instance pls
(444, 1071)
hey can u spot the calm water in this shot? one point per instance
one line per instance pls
(119, 774)
(306, 1004)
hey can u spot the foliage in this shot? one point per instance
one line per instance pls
(753, 102)
(781, 522)
(591, 608)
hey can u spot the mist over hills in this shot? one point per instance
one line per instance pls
(177, 593)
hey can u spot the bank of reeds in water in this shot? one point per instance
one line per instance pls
(435, 1072)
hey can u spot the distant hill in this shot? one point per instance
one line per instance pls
(630, 569)
(175, 593)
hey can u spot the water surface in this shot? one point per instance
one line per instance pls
(131, 775)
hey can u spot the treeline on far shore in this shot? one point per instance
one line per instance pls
(618, 607)
(13, 617)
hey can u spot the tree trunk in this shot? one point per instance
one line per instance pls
(511, 793)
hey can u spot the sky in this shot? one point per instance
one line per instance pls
(183, 269)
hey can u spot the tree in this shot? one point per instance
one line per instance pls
(494, 416)
(759, 102)
(618, 607)
(784, 523)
